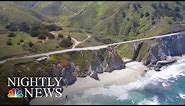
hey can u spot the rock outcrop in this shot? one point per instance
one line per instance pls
(115, 62)
(167, 46)
(71, 65)
(151, 51)
(94, 75)
(67, 73)
(99, 62)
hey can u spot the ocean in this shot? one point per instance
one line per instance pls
(166, 87)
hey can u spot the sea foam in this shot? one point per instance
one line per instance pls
(153, 101)
(182, 95)
(167, 75)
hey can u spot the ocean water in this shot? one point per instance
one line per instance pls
(166, 87)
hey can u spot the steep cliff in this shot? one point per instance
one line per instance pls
(167, 46)
(71, 65)
(151, 51)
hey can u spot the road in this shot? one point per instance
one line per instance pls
(76, 43)
(90, 48)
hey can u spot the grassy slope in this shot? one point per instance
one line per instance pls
(107, 17)
(17, 50)
(109, 20)
(14, 49)
(9, 12)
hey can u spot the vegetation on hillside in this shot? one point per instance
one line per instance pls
(107, 22)
(118, 21)
(35, 30)
(130, 20)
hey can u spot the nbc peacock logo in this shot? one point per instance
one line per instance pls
(15, 93)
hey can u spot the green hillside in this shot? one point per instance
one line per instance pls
(10, 13)
(54, 8)
(117, 21)
(106, 22)
(130, 20)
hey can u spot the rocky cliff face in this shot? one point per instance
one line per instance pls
(96, 62)
(106, 62)
(115, 62)
(151, 51)
(167, 46)
(71, 65)
(65, 72)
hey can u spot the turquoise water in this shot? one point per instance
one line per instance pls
(165, 87)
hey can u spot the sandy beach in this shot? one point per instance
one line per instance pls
(132, 72)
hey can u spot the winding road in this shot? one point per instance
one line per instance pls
(91, 48)
(76, 42)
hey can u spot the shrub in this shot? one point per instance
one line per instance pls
(147, 14)
(51, 36)
(21, 40)
(60, 35)
(30, 44)
(11, 27)
(169, 22)
(69, 38)
(53, 27)
(141, 15)
(65, 43)
(33, 33)
(11, 34)
(24, 27)
(9, 43)
(43, 37)
(153, 22)
(18, 43)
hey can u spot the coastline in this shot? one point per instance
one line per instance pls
(133, 71)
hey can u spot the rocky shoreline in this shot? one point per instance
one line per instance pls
(132, 72)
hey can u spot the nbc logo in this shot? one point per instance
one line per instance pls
(15, 93)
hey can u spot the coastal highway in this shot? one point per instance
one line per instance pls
(90, 48)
